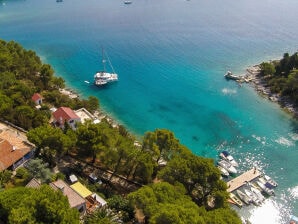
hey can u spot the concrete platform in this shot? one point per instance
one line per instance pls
(241, 180)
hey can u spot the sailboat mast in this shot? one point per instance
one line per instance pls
(103, 60)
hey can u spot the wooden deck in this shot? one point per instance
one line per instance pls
(242, 179)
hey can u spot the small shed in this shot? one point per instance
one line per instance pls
(73, 178)
(37, 98)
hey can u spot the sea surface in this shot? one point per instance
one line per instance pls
(171, 56)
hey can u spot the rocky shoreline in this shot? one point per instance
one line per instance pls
(98, 114)
(260, 85)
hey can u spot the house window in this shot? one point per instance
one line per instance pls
(71, 121)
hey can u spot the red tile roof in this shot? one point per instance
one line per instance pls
(36, 96)
(64, 113)
(9, 154)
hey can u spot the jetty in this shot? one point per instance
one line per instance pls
(241, 180)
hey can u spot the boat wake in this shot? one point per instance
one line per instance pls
(294, 136)
(284, 141)
(258, 138)
(294, 192)
(227, 91)
(269, 210)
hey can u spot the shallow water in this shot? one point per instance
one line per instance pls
(171, 57)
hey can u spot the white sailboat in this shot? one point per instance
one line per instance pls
(102, 77)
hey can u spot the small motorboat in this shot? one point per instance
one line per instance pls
(257, 193)
(227, 166)
(223, 171)
(270, 181)
(227, 156)
(127, 2)
(236, 200)
(254, 198)
(243, 197)
(265, 189)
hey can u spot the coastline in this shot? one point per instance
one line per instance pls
(98, 114)
(259, 84)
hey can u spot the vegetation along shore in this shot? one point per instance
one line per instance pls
(277, 80)
(84, 169)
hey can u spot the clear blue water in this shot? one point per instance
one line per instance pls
(171, 56)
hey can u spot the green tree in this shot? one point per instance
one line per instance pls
(24, 116)
(6, 105)
(121, 205)
(44, 205)
(50, 140)
(200, 178)
(46, 75)
(164, 203)
(38, 169)
(93, 104)
(161, 143)
(5, 177)
(101, 216)
(57, 82)
(267, 69)
(92, 138)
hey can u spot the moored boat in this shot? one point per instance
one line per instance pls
(254, 198)
(102, 77)
(270, 181)
(268, 184)
(257, 193)
(235, 199)
(223, 171)
(228, 157)
(231, 169)
(265, 189)
(230, 75)
(243, 197)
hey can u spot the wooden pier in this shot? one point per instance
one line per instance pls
(242, 179)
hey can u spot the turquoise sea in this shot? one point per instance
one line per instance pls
(171, 56)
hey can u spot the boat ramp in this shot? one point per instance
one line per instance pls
(241, 180)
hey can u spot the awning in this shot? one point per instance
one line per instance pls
(81, 189)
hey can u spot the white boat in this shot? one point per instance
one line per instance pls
(236, 200)
(270, 181)
(223, 171)
(227, 166)
(227, 156)
(243, 197)
(254, 198)
(102, 77)
(230, 75)
(127, 2)
(257, 193)
(265, 189)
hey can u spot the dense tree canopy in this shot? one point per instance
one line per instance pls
(21, 75)
(163, 203)
(38, 169)
(282, 76)
(44, 205)
(200, 178)
(194, 182)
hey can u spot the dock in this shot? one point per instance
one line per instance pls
(243, 179)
